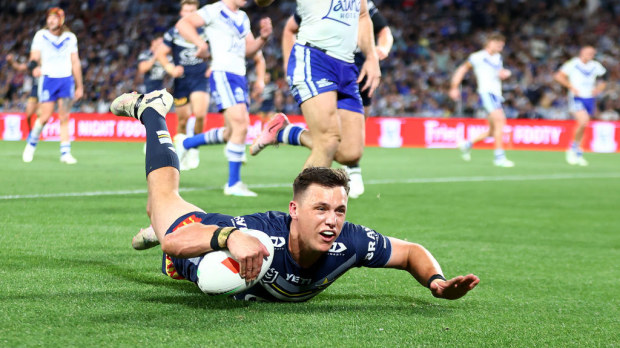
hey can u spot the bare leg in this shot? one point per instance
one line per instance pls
(321, 115)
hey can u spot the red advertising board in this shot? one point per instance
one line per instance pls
(380, 131)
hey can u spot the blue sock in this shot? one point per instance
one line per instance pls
(291, 135)
(159, 149)
(35, 133)
(234, 153)
(210, 137)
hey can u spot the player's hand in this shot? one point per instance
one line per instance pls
(382, 53)
(372, 72)
(504, 74)
(10, 57)
(79, 93)
(36, 72)
(265, 28)
(454, 93)
(454, 288)
(258, 87)
(249, 252)
(203, 51)
(178, 71)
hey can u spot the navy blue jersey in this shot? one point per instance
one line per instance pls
(356, 246)
(154, 78)
(184, 52)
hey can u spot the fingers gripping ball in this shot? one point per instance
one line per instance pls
(263, 3)
(218, 271)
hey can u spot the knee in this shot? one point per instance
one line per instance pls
(349, 156)
(328, 140)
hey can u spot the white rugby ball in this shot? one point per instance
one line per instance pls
(218, 271)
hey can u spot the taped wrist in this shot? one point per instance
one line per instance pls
(220, 237)
(31, 65)
(433, 277)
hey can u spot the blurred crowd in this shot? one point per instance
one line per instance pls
(430, 39)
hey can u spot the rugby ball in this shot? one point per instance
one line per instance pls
(218, 271)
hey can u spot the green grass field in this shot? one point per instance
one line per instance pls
(543, 237)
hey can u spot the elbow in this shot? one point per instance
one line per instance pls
(171, 246)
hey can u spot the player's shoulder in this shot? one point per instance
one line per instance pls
(274, 223)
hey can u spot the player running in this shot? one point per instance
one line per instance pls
(54, 60)
(384, 43)
(489, 70)
(579, 75)
(191, 84)
(324, 81)
(228, 31)
(314, 244)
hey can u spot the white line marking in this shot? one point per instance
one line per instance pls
(455, 179)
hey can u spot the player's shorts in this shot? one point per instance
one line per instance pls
(229, 89)
(490, 102)
(54, 88)
(311, 72)
(185, 86)
(578, 104)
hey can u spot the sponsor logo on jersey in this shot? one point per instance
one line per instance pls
(278, 242)
(295, 279)
(270, 276)
(344, 11)
(337, 248)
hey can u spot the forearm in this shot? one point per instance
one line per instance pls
(366, 36)
(600, 88)
(146, 65)
(562, 79)
(188, 31)
(161, 57)
(253, 45)
(385, 40)
(260, 66)
(458, 76)
(76, 68)
(189, 241)
(421, 264)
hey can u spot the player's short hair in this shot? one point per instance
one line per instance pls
(495, 36)
(190, 2)
(323, 176)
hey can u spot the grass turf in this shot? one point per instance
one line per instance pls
(543, 238)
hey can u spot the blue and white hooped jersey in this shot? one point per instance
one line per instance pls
(330, 25)
(356, 246)
(184, 52)
(226, 31)
(582, 75)
(55, 52)
(486, 68)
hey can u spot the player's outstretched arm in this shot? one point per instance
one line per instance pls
(421, 264)
(456, 80)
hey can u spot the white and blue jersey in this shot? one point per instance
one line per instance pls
(56, 79)
(356, 246)
(582, 76)
(486, 68)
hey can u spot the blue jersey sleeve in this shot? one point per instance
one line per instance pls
(372, 248)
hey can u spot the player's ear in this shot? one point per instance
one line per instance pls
(292, 209)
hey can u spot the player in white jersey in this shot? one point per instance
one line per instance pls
(384, 42)
(55, 61)
(230, 38)
(324, 80)
(579, 75)
(489, 70)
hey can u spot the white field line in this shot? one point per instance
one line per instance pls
(455, 179)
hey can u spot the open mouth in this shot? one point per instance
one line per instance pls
(328, 236)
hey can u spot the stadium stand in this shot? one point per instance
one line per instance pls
(431, 39)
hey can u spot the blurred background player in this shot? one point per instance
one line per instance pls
(323, 78)
(151, 68)
(489, 70)
(384, 41)
(33, 98)
(228, 31)
(191, 83)
(55, 61)
(579, 76)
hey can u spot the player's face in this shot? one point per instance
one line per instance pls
(53, 22)
(188, 9)
(156, 43)
(496, 46)
(320, 213)
(587, 54)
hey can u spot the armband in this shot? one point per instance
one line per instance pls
(433, 277)
(31, 65)
(220, 237)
